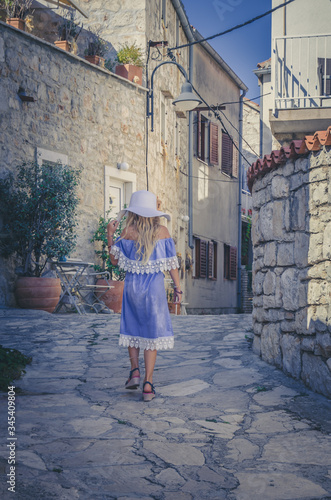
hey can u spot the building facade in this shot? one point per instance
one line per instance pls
(87, 116)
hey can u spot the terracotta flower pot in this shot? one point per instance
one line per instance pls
(38, 293)
(112, 298)
(16, 22)
(131, 72)
(97, 60)
(63, 44)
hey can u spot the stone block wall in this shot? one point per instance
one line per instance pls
(291, 234)
(91, 115)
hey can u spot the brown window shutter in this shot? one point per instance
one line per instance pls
(233, 263)
(227, 154)
(215, 261)
(199, 135)
(203, 259)
(235, 166)
(210, 259)
(213, 144)
(197, 257)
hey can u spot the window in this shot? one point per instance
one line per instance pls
(230, 262)
(207, 140)
(227, 154)
(119, 185)
(205, 259)
(51, 158)
(212, 260)
(163, 127)
(324, 72)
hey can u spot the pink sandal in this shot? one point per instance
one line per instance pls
(148, 396)
(133, 382)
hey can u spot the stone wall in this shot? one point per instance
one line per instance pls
(91, 115)
(291, 271)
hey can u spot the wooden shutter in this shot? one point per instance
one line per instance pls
(233, 263)
(197, 257)
(213, 144)
(198, 134)
(235, 166)
(203, 259)
(227, 154)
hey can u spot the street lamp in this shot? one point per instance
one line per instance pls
(186, 101)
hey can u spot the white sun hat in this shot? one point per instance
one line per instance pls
(143, 203)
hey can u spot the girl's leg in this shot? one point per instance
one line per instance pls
(134, 357)
(150, 358)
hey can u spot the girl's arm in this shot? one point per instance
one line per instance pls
(177, 290)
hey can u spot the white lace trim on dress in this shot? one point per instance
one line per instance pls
(161, 343)
(153, 266)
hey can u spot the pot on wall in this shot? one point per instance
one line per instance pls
(97, 60)
(63, 44)
(38, 293)
(113, 297)
(130, 72)
(16, 22)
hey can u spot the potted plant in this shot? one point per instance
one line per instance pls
(17, 11)
(130, 64)
(112, 298)
(38, 206)
(96, 48)
(68, 32)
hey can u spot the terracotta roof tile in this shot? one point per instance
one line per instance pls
(278, 157)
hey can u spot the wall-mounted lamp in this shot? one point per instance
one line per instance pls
(186, 101)
(123, 166)
(22, 95)
(185, 218)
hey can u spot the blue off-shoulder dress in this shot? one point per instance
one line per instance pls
(145, 318)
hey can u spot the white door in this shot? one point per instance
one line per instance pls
(116, 196)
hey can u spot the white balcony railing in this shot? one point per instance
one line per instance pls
(301, 71)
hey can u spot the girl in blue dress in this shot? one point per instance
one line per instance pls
(144, 250)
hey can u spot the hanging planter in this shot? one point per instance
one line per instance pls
(17, 23)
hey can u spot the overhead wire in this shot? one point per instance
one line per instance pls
(246, 23)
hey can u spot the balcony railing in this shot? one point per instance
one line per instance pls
(301, 71)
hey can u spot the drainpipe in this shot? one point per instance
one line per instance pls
(241, 111)
(190, 159)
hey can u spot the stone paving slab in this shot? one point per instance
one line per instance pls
(224, 424)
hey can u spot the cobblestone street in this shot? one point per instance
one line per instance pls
(224, 424)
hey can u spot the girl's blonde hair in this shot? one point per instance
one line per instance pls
(147, 229)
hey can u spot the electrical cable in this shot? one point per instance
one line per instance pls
(234, 27)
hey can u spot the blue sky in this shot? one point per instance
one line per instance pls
(243, 48)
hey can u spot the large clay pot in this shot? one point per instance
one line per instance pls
(112, 298)
(131, 72)
(38, 293)
(16, 22)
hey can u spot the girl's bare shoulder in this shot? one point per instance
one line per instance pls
(163, 233)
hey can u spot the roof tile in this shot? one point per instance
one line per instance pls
(278, 157)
